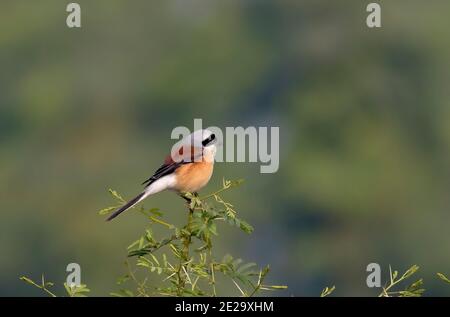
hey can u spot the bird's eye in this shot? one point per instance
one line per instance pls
(213, 136)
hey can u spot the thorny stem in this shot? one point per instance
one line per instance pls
(213, 194)
(141, 288)
(187, 238)
(259, 285)
(213, 277)
(161, 222)
(184, 260)
(42, 287)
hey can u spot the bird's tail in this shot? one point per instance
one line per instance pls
(127, 206)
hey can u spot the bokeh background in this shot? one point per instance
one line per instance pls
(363, 115)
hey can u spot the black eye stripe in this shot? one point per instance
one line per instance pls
(209, 139)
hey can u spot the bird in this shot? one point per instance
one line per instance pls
(188, 168)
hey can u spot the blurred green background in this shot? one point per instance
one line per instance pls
(363, 115)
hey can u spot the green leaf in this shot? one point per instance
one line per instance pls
(123, 293)
(327, 291)
(107, 210)
(443, 277)
(247, 228)
(116, 195)
(156, 212)
(26, 279)
(413, 269)
(134, 244)
(279, 287)
(246, 267)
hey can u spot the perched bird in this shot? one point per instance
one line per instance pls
(187, 169)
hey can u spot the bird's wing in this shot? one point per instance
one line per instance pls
(170, 165)
(165, 169)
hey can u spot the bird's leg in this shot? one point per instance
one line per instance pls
(188, 197)
(188, 200)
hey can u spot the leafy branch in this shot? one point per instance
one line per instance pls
(43, 286)
(190, 268)
(72, 290)
(184, 260)
(413, 290)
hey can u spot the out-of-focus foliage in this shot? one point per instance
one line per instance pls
(363, 116)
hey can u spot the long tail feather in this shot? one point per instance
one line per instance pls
(128, 205)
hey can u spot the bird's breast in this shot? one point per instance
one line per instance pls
(192, 177)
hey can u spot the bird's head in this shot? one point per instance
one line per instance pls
(208, 144)
(199, 145)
